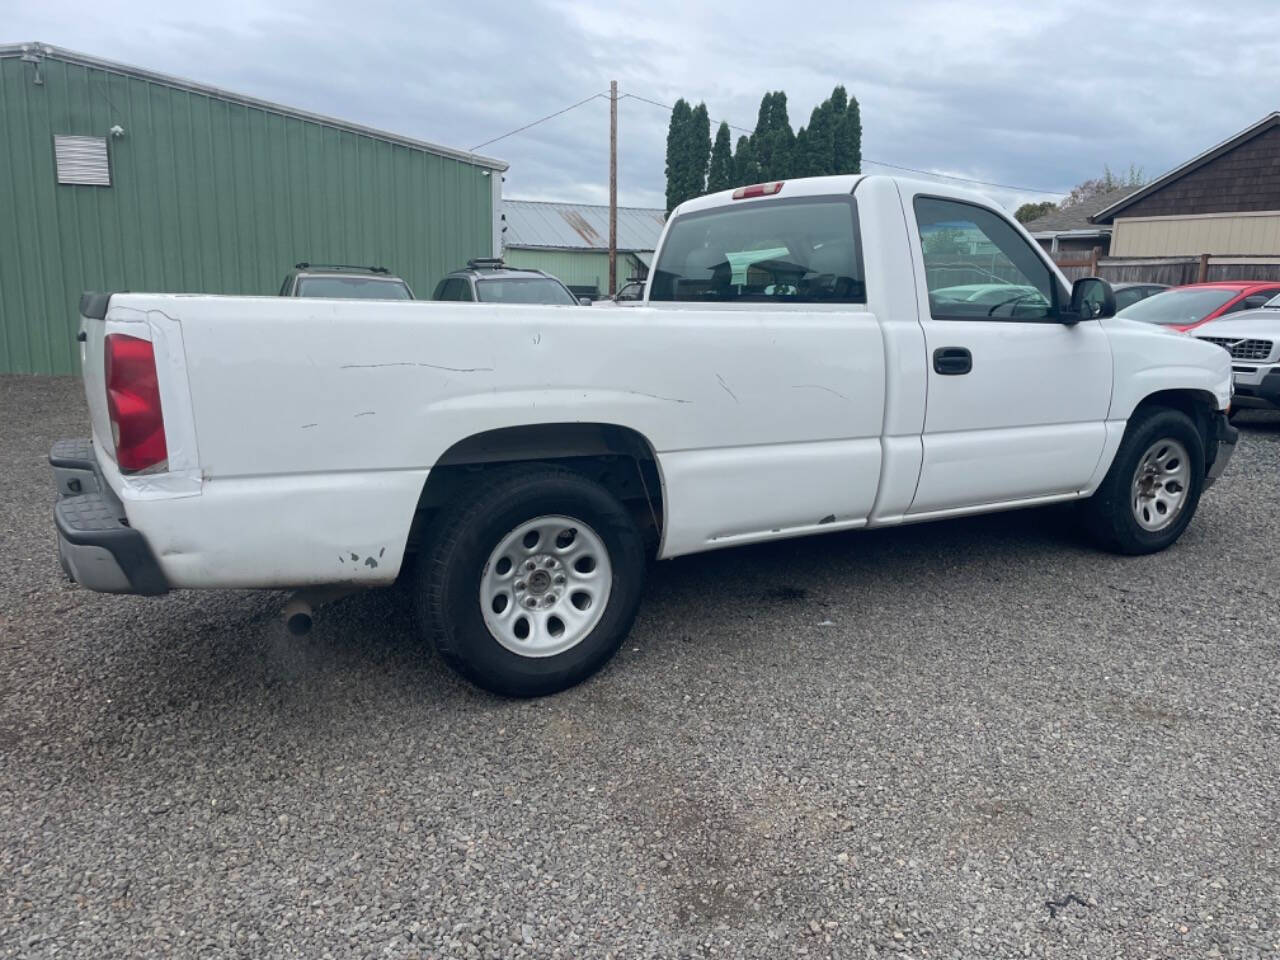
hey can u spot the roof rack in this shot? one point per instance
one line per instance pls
(486, 263)
(304, 265)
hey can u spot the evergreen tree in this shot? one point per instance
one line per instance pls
(688, 151)
(772, 142)
(830, 144)
(720, 173)
(699, 150)
(677, 137)
(800, 159)
(819, 160)
(846, 132)
(746, 170)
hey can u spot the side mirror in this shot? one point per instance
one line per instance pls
(1091, 299)
(584, 301)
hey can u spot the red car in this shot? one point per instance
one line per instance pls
(1185, 308)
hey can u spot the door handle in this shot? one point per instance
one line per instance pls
(952, 361)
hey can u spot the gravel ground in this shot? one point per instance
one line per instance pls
(968, 739)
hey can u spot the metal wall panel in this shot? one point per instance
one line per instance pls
(1242, 234)
(207, 195)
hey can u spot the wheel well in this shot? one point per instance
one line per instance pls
(1199, 405)
(618, 458)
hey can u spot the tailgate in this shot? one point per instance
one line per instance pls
(93, 313)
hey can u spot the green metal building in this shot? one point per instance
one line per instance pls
(571, 241)
(116, 178)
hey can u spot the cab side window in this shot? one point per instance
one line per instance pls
(978, 267)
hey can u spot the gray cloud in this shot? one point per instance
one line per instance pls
(1034, 95)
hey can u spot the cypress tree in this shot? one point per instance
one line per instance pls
(847, 132)
(800, 160)
(699, 150)
(720, 173)
(677, 139)
(773, 141)
(745, 169)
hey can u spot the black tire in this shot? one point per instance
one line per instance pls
(457, 552)
(1109, 515)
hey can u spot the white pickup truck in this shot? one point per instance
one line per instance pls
(812, 356)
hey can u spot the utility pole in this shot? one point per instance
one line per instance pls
(613, 187)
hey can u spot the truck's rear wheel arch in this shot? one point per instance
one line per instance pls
(618, 458)
(1199, 405)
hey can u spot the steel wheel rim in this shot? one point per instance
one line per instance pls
(545, 586)
(1160, 485)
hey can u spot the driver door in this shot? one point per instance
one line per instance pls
(1016, 402)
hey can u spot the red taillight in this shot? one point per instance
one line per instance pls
(133, 403)
(758, 190)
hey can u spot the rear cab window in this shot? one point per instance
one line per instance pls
(801, 250)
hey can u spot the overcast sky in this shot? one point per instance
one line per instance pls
(1034, 94)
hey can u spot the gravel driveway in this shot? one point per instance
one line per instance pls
(968, 739)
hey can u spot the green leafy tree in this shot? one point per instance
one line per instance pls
(1033, 211)
(720, 172)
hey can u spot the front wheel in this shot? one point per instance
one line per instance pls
(532, 581)
(1153, 487)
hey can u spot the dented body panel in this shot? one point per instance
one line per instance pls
(302, 432)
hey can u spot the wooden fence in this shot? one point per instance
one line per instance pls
(1173, 271)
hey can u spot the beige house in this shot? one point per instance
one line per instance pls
(1222, 206)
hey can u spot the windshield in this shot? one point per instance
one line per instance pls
(523, 290)
(799, 251)
(354, 288)
(1178, 307)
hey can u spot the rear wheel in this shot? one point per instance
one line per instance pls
(531, 582)
(1153, 487)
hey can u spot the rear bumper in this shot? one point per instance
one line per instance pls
(96, 546)
(1223, 439)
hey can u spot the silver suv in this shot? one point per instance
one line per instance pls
(343, 282)
(492, 281)
(1252, 337)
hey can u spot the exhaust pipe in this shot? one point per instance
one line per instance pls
(299, 613)
(298, 616)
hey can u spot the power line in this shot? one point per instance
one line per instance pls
(549, 116)
(948, 176)
(668, 108)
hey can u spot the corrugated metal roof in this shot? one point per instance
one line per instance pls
(579, 226)
(40, 50)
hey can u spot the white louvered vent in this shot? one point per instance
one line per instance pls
(82, 160)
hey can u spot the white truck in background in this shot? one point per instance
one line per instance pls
(811, 356)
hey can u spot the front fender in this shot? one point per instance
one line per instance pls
(1147, 359)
